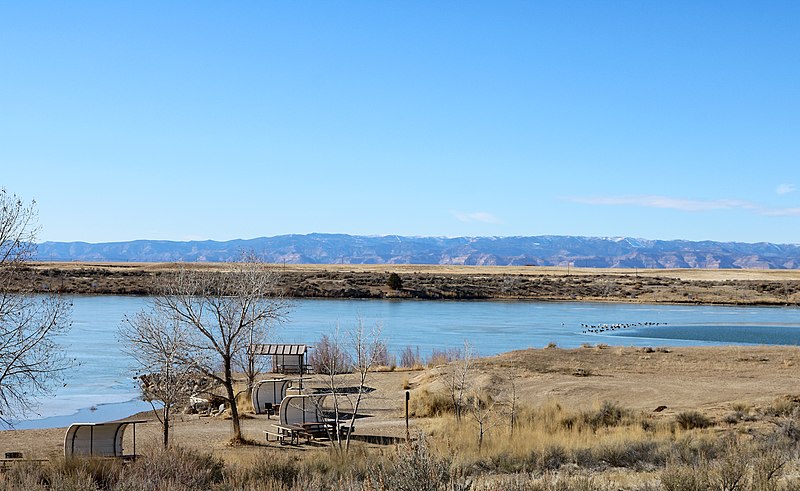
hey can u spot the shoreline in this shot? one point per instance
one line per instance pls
(440, 282)
(102, 413)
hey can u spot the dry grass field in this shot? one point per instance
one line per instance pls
(682, 274)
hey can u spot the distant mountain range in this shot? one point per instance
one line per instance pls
(548, 250)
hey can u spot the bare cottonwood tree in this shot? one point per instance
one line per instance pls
(247, 361)
(349, 356)
(222, 311)
(158, 345)
(331, 359)
(482, 409)
(31, 360)
(368, 352)
(457, 380)
(513, 403)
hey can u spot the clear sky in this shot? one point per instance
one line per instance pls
(221, 120)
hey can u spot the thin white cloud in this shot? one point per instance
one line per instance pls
(665, 202)
(785, 189)
(680, 204)
(478, 216)
(781, 212)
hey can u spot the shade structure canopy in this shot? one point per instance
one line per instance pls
(286, 358)
(278, 349)
(267, 394)
(98, 439)
(302, 409)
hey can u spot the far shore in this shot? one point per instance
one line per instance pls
(446, 282)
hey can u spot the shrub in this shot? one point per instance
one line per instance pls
(328, 357)
(273, 468)
(394, 281)
(694, 451)
(174, 469)
(609, 414)
(426, 404)
(416, 468)
(443, 357)
(631, 454)
(381, 356)
(410, 358)
(682, 477)
(102, 472)
(550, 457)
(689, 420)
(788, 405)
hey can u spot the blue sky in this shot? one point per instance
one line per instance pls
(222, 120)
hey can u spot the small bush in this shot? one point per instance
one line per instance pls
(694, 451)
(443, 357)
(682, 477)
(394, 281)
(104, 473)
(283, 470)
(426, 404)
(788, 406)
(730, 472)
(328, 357)
(551, 458)
(418, 469)
(175, 469)
(410, 358)
(690, 420)
(631, 454)
(609, 414)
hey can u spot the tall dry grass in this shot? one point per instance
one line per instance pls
(551, 448)
(551, 436)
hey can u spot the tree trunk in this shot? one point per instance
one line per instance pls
(166, 426)
(237, 430)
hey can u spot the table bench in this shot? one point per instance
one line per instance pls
(292, 433)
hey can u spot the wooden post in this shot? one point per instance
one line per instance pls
(408, 433)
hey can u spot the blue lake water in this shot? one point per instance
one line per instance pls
(103, 381)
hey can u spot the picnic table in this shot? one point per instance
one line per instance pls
(292, 434)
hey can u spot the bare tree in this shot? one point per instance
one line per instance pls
(457, 380)
(247, 361)
(360, 352)
(368, 351)
(159, 347)
(331, 359)
(220, 311)
(482, 409)
(31, 360)
(513, 401)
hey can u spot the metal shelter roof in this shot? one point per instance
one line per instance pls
(278, 349)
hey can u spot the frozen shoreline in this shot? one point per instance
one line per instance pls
(103, 412)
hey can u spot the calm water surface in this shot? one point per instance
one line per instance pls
(103, 380)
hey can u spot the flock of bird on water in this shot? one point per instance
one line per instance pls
(595, 328)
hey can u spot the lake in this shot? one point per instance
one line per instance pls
(102, 388)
